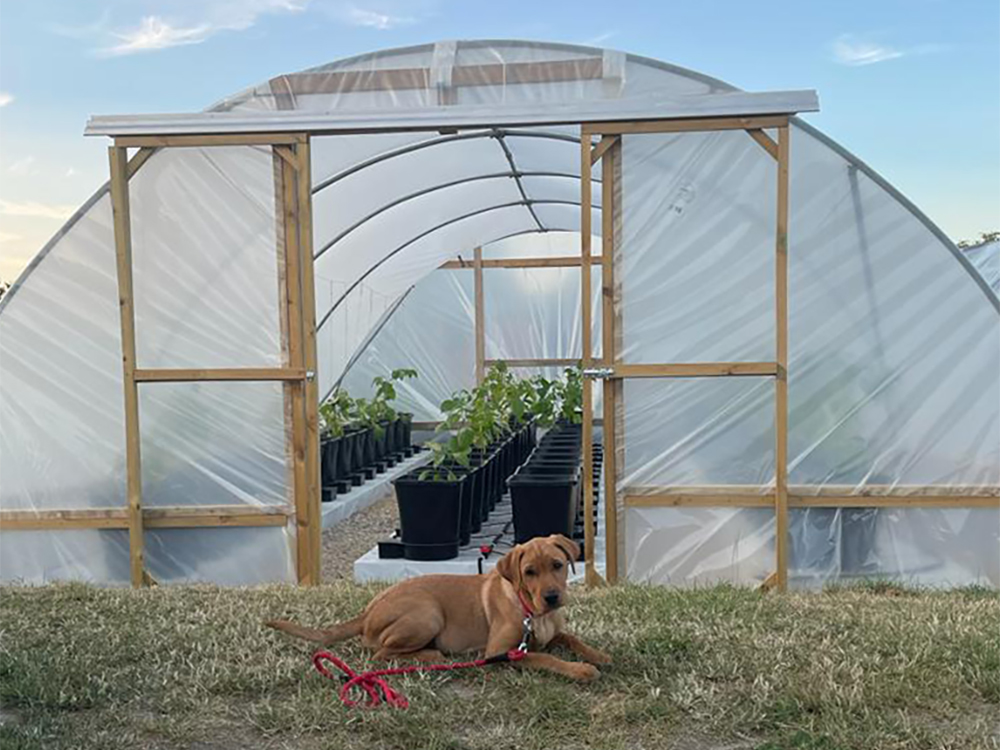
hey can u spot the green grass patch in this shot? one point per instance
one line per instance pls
(877, 666)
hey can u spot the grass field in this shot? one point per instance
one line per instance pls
(712, 669)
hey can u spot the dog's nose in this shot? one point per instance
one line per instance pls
(552, 598)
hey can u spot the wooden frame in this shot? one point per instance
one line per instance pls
(781, 497)
(294, 213)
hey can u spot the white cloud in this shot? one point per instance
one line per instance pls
(5, 98)
(373, 19)
(181, 28)
(849, 49)
(22, 166)
(152, 34)
(601, 38)
(36, 210)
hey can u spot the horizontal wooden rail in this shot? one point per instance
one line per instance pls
(553, 262)
(684, 125)
(810, 496)
(534, 362)
(204, 140)
(696, 370)
(178, 517)
(221, 374)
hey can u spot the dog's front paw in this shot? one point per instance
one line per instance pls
(598, 657)
(585, 672)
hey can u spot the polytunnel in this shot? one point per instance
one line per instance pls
(892, 445)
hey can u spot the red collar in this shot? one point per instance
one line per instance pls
(525, 606)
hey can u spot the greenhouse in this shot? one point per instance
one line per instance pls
(791, 375)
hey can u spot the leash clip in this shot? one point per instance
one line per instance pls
(526, 630)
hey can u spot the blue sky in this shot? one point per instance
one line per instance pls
(910, 86)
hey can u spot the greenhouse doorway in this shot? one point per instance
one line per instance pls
(614, 368)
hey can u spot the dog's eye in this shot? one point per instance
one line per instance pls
(530, 572)
(557, 565)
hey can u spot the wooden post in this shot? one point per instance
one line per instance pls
(609, 353)
(587, 360)
(480, 304)
(293, 294)
(123, 253)
(781, 380)
(305, 230)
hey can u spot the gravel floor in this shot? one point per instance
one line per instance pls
(350, 539)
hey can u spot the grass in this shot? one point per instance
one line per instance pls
(867, 668)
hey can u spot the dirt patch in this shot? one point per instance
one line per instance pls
(350, 539)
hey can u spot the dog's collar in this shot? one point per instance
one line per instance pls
(526, 609)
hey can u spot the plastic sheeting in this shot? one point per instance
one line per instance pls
(986, 259)
(895, 351)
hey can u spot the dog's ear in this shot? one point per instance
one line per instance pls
(509, 566)
(570, 548)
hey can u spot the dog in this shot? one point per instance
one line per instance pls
(427, 617)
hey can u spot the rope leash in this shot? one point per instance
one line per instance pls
(379, 690)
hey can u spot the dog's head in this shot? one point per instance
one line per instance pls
(539, 569)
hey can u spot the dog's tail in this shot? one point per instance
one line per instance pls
(337, 633)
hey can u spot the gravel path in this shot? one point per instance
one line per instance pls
(350, 539)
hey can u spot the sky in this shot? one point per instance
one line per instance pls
(910, 86)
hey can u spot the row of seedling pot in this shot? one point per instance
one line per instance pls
(361, 452)
(487, 434)
(440, 508)
(546, 491)
(362, 437)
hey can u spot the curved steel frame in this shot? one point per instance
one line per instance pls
(354, 285)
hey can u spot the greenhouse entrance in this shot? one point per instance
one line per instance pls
(600, 143)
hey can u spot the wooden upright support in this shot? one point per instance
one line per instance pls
(781, 380)
(610, 148)
(591, 576)
(313, 485)
(123, 253)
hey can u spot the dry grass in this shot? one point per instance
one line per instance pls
(191, 667)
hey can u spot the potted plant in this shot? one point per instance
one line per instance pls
(334, 417)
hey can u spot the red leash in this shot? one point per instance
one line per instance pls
(379, 690)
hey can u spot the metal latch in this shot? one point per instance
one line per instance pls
(599, 373)
(310, 375)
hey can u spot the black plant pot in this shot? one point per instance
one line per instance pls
(345, 461)
(330, 460)
(406, 420)
(543, 504)
(429, 516)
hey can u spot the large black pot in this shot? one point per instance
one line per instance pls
(543, 504)
(430, 515)
(330, 460)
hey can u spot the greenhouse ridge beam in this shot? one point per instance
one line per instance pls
(733, 110)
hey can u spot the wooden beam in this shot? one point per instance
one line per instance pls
(609, 351)
(141, 157)
(697, 500)
(287, 155)
(601, 149)
(697, 370)
(296, 359)
(553, 262)
(677, 497)
(183, 375)
(172, 517)
(480, 314)
(684, 125)
(586, 216)
(206, 140)
(305, 229)
(122, 219)
(765, 141)
(781, 356)
(541, 362)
